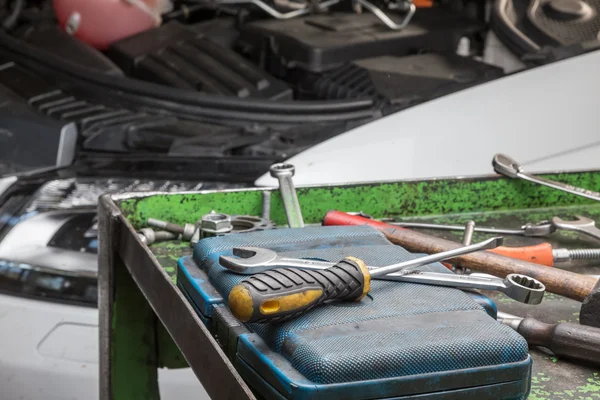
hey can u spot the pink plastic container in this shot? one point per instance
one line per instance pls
(102, 22)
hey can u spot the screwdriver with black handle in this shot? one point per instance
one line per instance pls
(574, 341)
(281, 294)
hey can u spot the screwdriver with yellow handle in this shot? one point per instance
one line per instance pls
(281, 294)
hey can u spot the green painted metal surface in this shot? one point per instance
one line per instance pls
(542, 387)
(489, 201)
(412, 198)
(134, 359)
(169, 355)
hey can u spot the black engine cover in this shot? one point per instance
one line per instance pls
(181, 57)
(399, 82)
(319, 43)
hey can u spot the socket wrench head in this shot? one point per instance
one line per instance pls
(543, 228)
(506, 166)
(524, 289)
(282, 170)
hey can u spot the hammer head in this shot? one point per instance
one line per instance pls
(590, 308)
(248, 260)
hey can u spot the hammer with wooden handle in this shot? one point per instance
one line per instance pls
(574, 286)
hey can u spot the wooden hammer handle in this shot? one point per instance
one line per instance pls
(565, 283)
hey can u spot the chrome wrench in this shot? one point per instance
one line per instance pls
(583, 225)
(539, 229)
(252, 260)
(506, 166)
(284, 173)
(519, 287)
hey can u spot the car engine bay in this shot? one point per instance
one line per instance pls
(171, 96)
(250, 82)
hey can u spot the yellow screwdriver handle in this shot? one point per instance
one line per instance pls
(281, 294)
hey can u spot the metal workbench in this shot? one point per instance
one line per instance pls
(139, 298)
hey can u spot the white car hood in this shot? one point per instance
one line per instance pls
(547, 118)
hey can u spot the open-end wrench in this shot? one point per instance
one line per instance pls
(583, 225)
(518, 287)
(506, 166)
(284, 172)
(252, 260)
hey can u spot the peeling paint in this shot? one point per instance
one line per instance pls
(540, 391)
(412, 198)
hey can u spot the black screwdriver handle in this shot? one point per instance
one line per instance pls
(573, 341)
(281, 294)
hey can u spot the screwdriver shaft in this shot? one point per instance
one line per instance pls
(486, 244)
(423, 225)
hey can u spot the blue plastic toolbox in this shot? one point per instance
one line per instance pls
(403, 341)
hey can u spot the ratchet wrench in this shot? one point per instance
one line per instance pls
(506, 166)
(518, 287)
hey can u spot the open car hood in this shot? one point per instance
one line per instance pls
(546, 118)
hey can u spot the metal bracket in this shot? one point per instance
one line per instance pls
(306, 10)
(276, 14)
(387, 20)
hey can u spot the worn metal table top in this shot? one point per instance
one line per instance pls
(490, 202)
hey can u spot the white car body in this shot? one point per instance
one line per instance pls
(49, 351)
(546, 118)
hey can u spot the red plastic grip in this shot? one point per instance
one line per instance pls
(538, 254)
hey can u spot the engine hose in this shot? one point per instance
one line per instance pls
(39, 59)
(10, 21)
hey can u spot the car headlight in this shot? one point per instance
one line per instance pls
(48, 240)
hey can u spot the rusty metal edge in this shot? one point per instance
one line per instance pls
(491, 176)
(108, 213)
(199, 348)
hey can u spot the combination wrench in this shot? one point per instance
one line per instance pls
(252, 260)
(539, 229)
(506, 166)
(583, 225)
(284, 173)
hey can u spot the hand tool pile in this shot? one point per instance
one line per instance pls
(521, 267)
(542, 253)
(292, 306)
(279, 288)
(212, 224)
(217, 224)
(255, 300)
